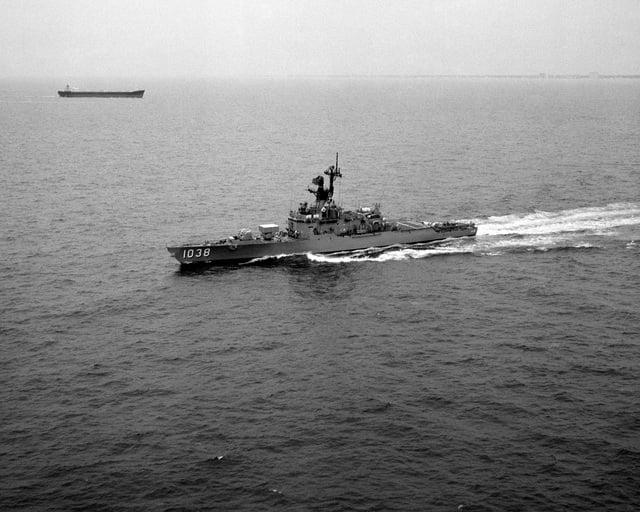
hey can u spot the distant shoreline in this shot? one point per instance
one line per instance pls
(539, 76)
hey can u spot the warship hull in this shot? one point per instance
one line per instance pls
(101, 94)
(238, 251)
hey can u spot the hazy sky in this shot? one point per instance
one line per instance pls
(198, 38)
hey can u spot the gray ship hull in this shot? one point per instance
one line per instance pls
(100, 94)
(239, 251)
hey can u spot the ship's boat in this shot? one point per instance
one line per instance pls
(323, 227)
(67, 92)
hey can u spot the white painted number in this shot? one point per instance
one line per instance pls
(199, 252)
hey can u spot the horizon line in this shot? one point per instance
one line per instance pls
(542, 76)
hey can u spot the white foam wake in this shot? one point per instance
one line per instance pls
(596, 220)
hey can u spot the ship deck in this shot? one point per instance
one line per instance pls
(409, 224)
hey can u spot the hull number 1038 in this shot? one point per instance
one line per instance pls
(198, 253)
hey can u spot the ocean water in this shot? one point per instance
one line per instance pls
(487, 374)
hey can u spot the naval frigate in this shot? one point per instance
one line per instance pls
(320, 227)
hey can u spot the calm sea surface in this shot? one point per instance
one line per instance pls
(487, 374)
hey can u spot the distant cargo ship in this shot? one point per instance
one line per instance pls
(67, 92)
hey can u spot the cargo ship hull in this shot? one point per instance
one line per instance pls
(101, 94)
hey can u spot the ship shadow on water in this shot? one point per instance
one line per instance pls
(310, 277)
(207, 268)
(319, 280)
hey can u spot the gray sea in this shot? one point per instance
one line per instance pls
(500, 373)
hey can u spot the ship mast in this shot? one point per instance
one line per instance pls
(333, 172)
(323, 195)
